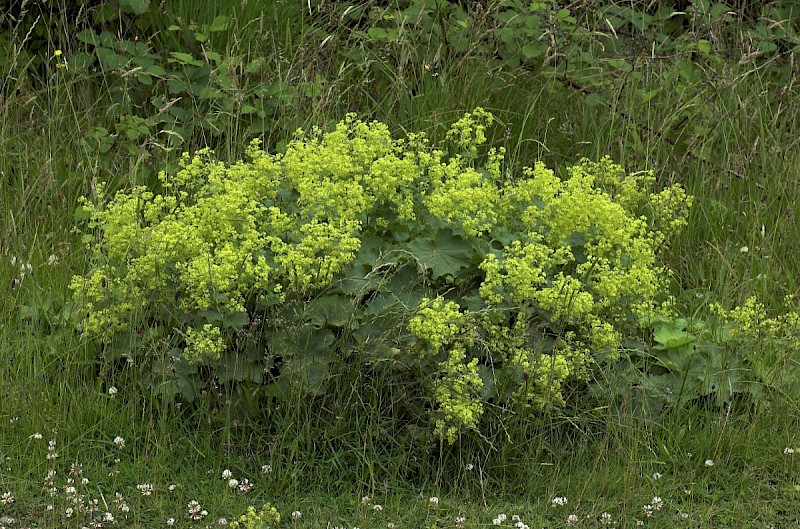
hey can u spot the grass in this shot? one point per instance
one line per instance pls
(736, 152)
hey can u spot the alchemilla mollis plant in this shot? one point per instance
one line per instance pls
(351, 246)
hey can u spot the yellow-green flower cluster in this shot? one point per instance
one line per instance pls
(465, 197)
(458, 394)
(470, 131)
(752, 320)
(204, 343)
(217, 233)
(437, 322)
(578, 263)
(587, 259)
(266, 518)
(543, 375)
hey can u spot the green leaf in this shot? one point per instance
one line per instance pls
(109, 59)
(87, 36)
(177, 86)
(184, 58)
(334, 310)
(237, 320)
(533, 50)
(144, 79)
(233, 367)
(672, 337)
(220, 23)
(133, 7)
(213, 56)
(445, 254)
(311, 372)
(156, 70)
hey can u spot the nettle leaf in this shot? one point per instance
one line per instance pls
(133, 7)
(109, 59)
(445, 254)
(87, 36)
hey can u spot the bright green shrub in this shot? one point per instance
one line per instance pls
(353, 246)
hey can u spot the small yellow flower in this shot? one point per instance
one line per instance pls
(58, 53)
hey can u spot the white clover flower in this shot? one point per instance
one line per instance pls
(639, 523)
(657, 503)
(171, 488)
(119, 441)
(194, 510)
(233, 483)
(146, 489)
(788, 451)
(515, 518)
(69, 511)
(7, 498)
(684, 515)
(434, 502)
(709, 463)
(390, 525)
(112, 391)
(605, 519)
(502, 517)
(222, 521)
(108, 517)
(266, 469)
(647, 510)
(469, 466)
(377, 508)
(460, 521)
(84, 481)
(559, 501)
(744, 249)
(227, 474)
(171, 521)
(37, 435)
(656, 476)
(296, 515)
(51, 450)
(245, 485)
(364, 500)
(572, 519)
